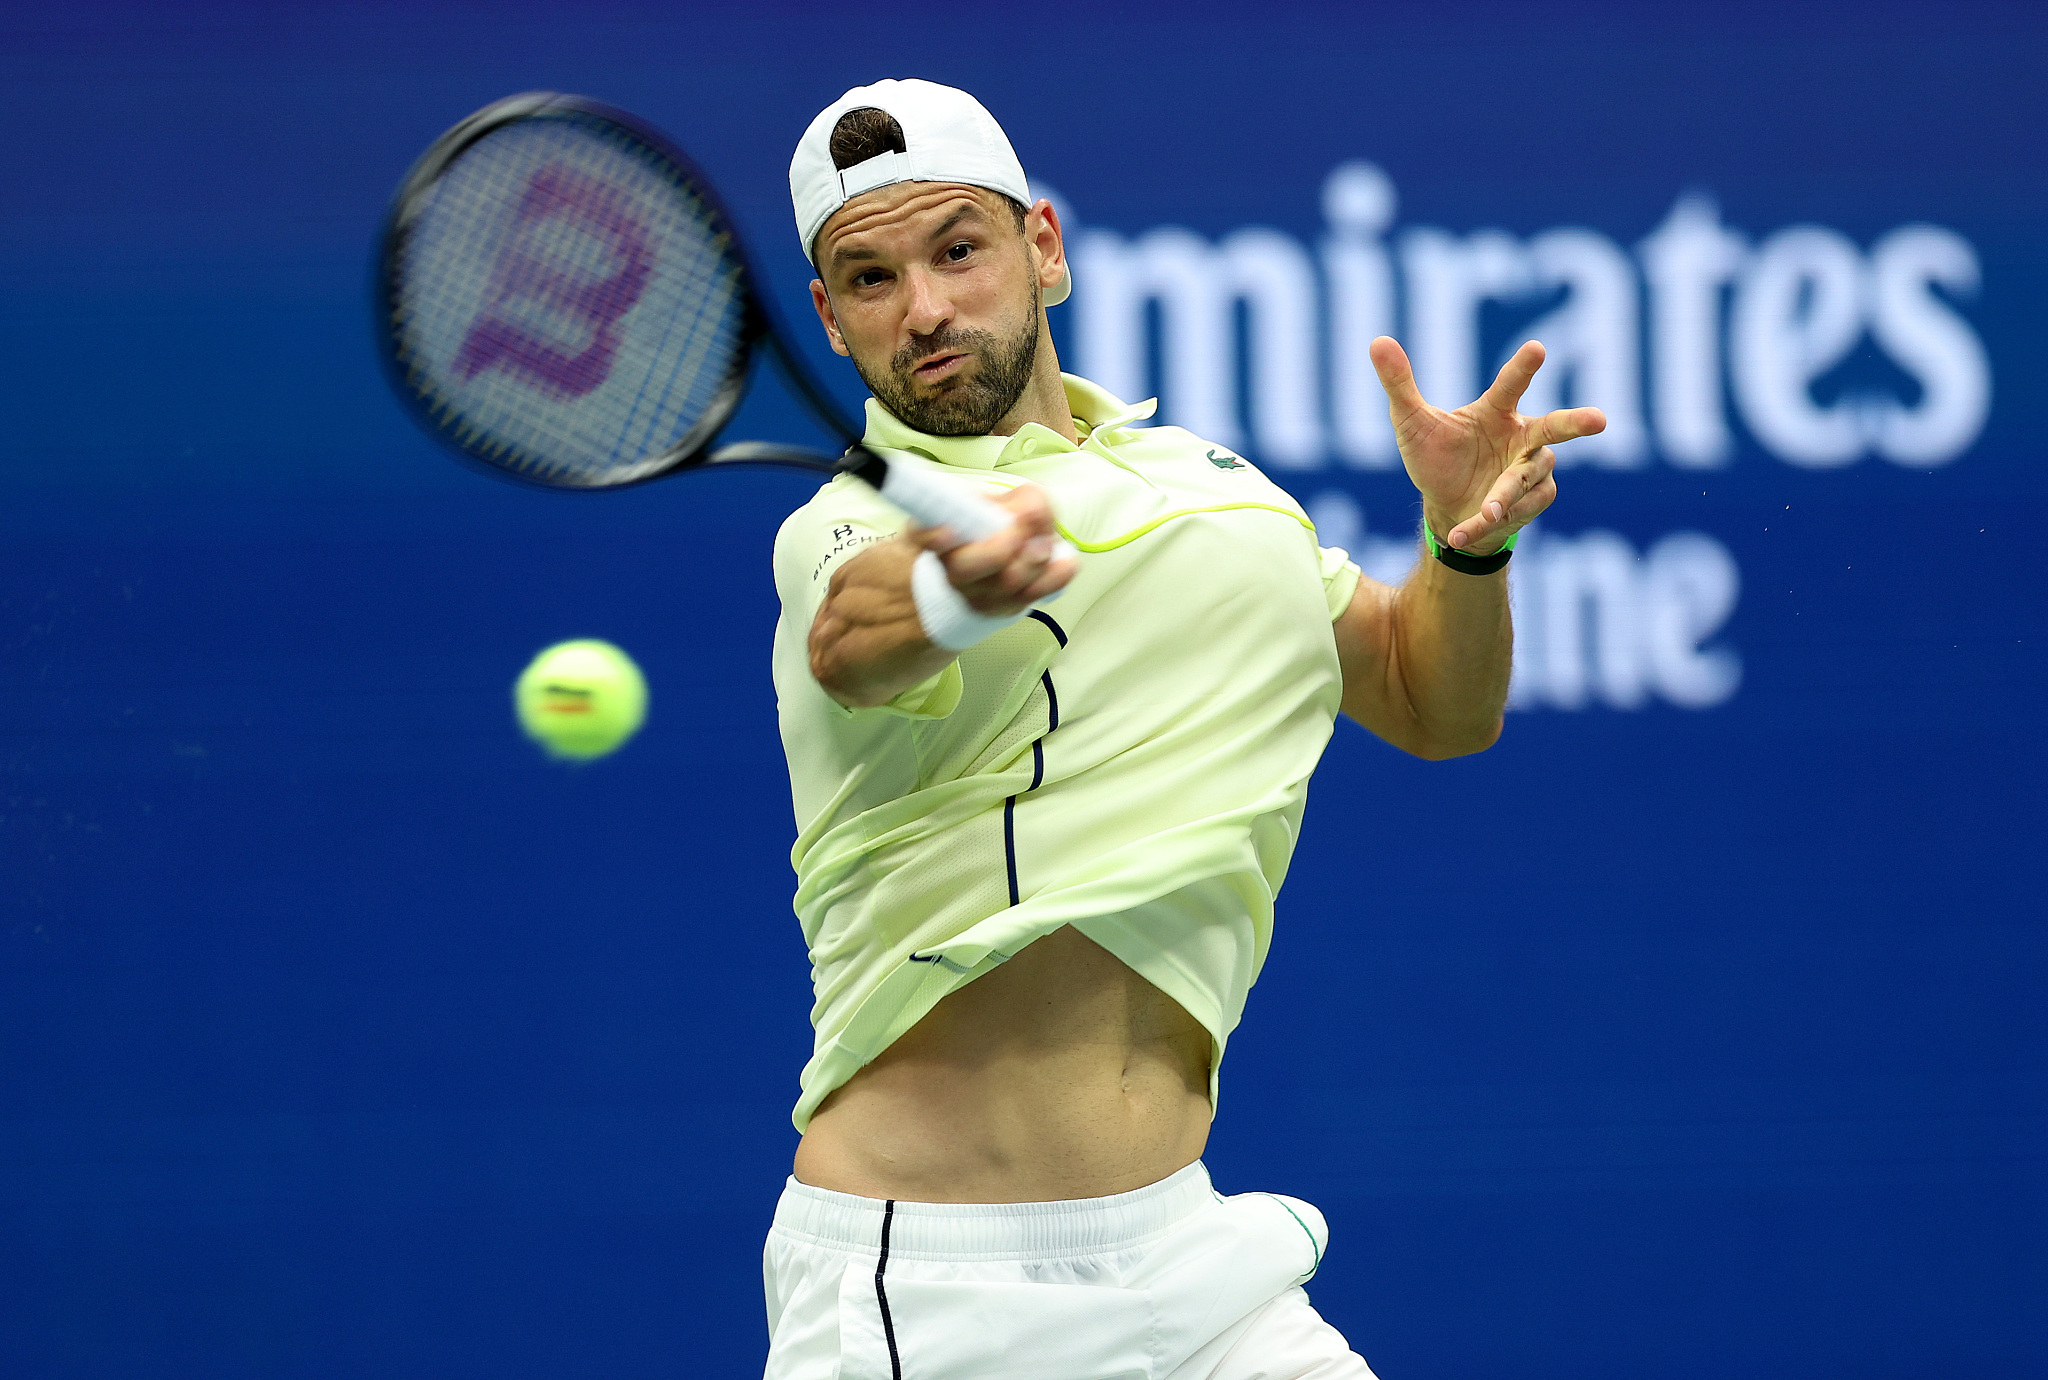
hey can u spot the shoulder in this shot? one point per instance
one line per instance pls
(842, 502)
(1204, 468)
(842, 517)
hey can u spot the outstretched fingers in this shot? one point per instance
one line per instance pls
(1566, 424)
(1513, 379)
(1397, 376)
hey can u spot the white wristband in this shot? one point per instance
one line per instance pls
(949, 621)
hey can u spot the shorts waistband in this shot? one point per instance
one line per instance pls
(993, 1231)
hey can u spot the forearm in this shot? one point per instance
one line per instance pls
(1452, 649)
(867, 644)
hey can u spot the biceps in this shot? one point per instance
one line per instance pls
(1368, 651)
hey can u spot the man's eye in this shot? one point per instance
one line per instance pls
(871, 278)
(959, 251)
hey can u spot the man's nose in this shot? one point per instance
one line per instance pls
(928, 308)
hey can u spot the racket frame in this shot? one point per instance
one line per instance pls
(758, 328)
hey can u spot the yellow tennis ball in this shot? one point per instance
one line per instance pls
(581, 699)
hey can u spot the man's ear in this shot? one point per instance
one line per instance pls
(823, 304)
(1042, 232)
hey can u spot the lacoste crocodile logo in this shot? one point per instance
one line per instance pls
(1225, 461)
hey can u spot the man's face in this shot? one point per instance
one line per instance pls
(932, 292)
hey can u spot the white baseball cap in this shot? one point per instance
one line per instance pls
(948, 136)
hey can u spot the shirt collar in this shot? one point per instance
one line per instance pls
(1104, 416)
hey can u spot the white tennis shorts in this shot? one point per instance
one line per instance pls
(1170, 1282)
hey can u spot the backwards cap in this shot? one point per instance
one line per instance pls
(947, 137)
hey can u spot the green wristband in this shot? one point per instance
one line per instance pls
(1464, 562)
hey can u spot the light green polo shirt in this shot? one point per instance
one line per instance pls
(1131, 760)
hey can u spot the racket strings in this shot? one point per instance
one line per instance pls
(567, 304)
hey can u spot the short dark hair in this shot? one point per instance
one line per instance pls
(870, 132)
(863, 134)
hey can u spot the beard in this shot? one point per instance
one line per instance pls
(972, 402)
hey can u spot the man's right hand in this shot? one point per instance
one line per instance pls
(867, 644)
(1012, 570)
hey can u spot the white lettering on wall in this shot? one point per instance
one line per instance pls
(1449, 279)
(1197, 287)
(1690, 585)
(1726, 324)
(1359, 202)
(1798, 313)
(1593, 357)
(1581, 621)
(1689, 261)
(1929, 341)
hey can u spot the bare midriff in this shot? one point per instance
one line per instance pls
(1060, 1075)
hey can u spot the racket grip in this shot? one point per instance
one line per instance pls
(935, 501)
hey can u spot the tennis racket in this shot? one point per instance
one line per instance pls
(562, 299)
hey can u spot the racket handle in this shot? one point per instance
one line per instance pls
(935, 501)
(938, 502)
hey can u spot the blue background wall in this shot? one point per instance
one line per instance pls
(341, 1035)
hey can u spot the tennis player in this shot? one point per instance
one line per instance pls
(1047, 785)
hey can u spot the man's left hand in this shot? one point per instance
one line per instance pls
(1484, 470)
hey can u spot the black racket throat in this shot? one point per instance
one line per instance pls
(859, 461)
